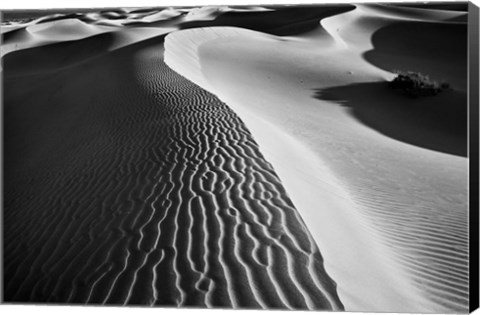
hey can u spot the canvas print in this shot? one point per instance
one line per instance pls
(296, 157)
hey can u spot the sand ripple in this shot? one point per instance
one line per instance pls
(410, 202)
(147, 190)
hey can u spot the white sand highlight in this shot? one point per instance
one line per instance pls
(324, 205)
(375, 205)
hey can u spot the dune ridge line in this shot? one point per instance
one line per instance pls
(263, 79)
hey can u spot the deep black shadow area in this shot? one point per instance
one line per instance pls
(55, 56)
(437, 123)
(451, 6)
(436, 49)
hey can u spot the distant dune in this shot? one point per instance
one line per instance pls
(245, 157)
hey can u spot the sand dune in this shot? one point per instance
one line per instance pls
(416, 12)
(62, 27)
(143, 189)
(394, 214)
(282, 21)
(36, 35)
(66, 29)
(162, 15)
(58, 54)
(263, 165)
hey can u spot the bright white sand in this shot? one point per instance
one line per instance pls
(371, 202)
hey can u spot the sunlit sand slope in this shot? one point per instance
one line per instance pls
(392, 169)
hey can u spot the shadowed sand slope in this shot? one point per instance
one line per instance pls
(433, 123)
(63, 54)
(434, 48)
(447, 5)
(127, 184)
(41, 34)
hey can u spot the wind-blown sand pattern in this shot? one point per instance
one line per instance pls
(263, 165)
(164, 199)
(407, 205)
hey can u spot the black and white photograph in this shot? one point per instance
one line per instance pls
(304, 156)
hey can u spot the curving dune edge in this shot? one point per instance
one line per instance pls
(267, 81)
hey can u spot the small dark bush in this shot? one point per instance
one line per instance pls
(415, 84)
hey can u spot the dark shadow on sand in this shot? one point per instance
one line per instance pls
(437, 123)
(436, 49)
(451, 6)
(53, 57)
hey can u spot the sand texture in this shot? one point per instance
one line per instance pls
(397, 173)
(144, 189)
(238, 157)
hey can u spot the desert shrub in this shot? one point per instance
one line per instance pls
(415, 84)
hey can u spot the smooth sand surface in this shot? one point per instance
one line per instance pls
(127, 184)
(264, 165)
(381, 185)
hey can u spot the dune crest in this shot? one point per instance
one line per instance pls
(399, 212)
